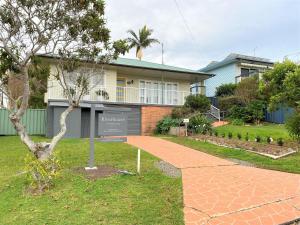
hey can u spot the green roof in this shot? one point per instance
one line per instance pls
(135, 63)
(154, 66)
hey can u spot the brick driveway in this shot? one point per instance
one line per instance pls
(217, 191)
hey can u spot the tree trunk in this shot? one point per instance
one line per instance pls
(41, 150)
(139, 53)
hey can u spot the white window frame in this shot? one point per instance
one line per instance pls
(162, 98)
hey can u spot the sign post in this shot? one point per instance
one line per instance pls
(92, 138)
(186, 121)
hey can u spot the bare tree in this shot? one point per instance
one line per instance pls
(72, 30)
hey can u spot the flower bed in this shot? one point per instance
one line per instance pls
(271, 150)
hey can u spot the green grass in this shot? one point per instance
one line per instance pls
(273, 130)
(288, 164)
(151, 198)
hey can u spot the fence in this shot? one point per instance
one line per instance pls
(34, 120)
(278, 116)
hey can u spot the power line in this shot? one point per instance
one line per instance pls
(184, 20)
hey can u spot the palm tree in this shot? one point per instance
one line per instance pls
(141, 41)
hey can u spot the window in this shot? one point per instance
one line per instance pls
(155, 92)
(142, 91)
(244, 72)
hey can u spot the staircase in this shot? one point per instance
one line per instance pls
(215, 114)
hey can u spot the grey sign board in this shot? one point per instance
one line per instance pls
(112, 123)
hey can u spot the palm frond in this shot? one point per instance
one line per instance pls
(142, 40)
(133, 34)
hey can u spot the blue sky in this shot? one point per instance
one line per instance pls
(268, 28)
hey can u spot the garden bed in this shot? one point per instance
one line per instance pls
(271, 150)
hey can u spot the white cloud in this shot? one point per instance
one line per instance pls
(218, 27)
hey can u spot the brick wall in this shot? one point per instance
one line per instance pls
(151, 115)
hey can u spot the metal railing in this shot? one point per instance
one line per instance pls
(215, 112)
(126, 95)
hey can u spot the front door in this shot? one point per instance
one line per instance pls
(121, 86)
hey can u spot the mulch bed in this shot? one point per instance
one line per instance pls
(271, 150)
(101, 172)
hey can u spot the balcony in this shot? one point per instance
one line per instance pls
(126, 95)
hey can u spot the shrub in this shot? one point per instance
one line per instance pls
(225, 90)
(197, 102)
(293, 126)
(239, 136)
(280, 141)
(248, 89)
(225, 103)
(163, 126)
(180, 112)
(41, 174)
(229, 135)
(199, 124)
(257, 138)
(210, 133)
(269, 140)
(223, 135)
(216, 133)
(239, 113)
(238, 122)
(256, 111)
(247, 137)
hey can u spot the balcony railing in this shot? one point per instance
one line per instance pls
(126, 95)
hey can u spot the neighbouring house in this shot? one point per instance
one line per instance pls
(233, 69)
(144, 91)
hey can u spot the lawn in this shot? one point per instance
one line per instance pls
(288, 164)
(151, 198)
(267, 129)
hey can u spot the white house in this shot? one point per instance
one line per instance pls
(146, 91)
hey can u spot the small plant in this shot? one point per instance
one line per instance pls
(199, 124)
(269, 140)
(223, 135)
(280, 141)
(229, 135)
(216, 133)
(258, 138)
(237, 122)
(210, 133)
(41, 174)
(102, 93)
(239, 136)
(163, 126)
(247, 137)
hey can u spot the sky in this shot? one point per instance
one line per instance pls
(200, 31)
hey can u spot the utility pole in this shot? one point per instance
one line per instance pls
(162, 53)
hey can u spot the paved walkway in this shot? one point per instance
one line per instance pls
(219, 123)
(217, 191)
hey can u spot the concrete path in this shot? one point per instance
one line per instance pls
(217, 191)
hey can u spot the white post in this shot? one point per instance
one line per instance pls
(139, 161)
(186, 127)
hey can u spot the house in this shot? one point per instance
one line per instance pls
(143, 91)
(233, 69)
